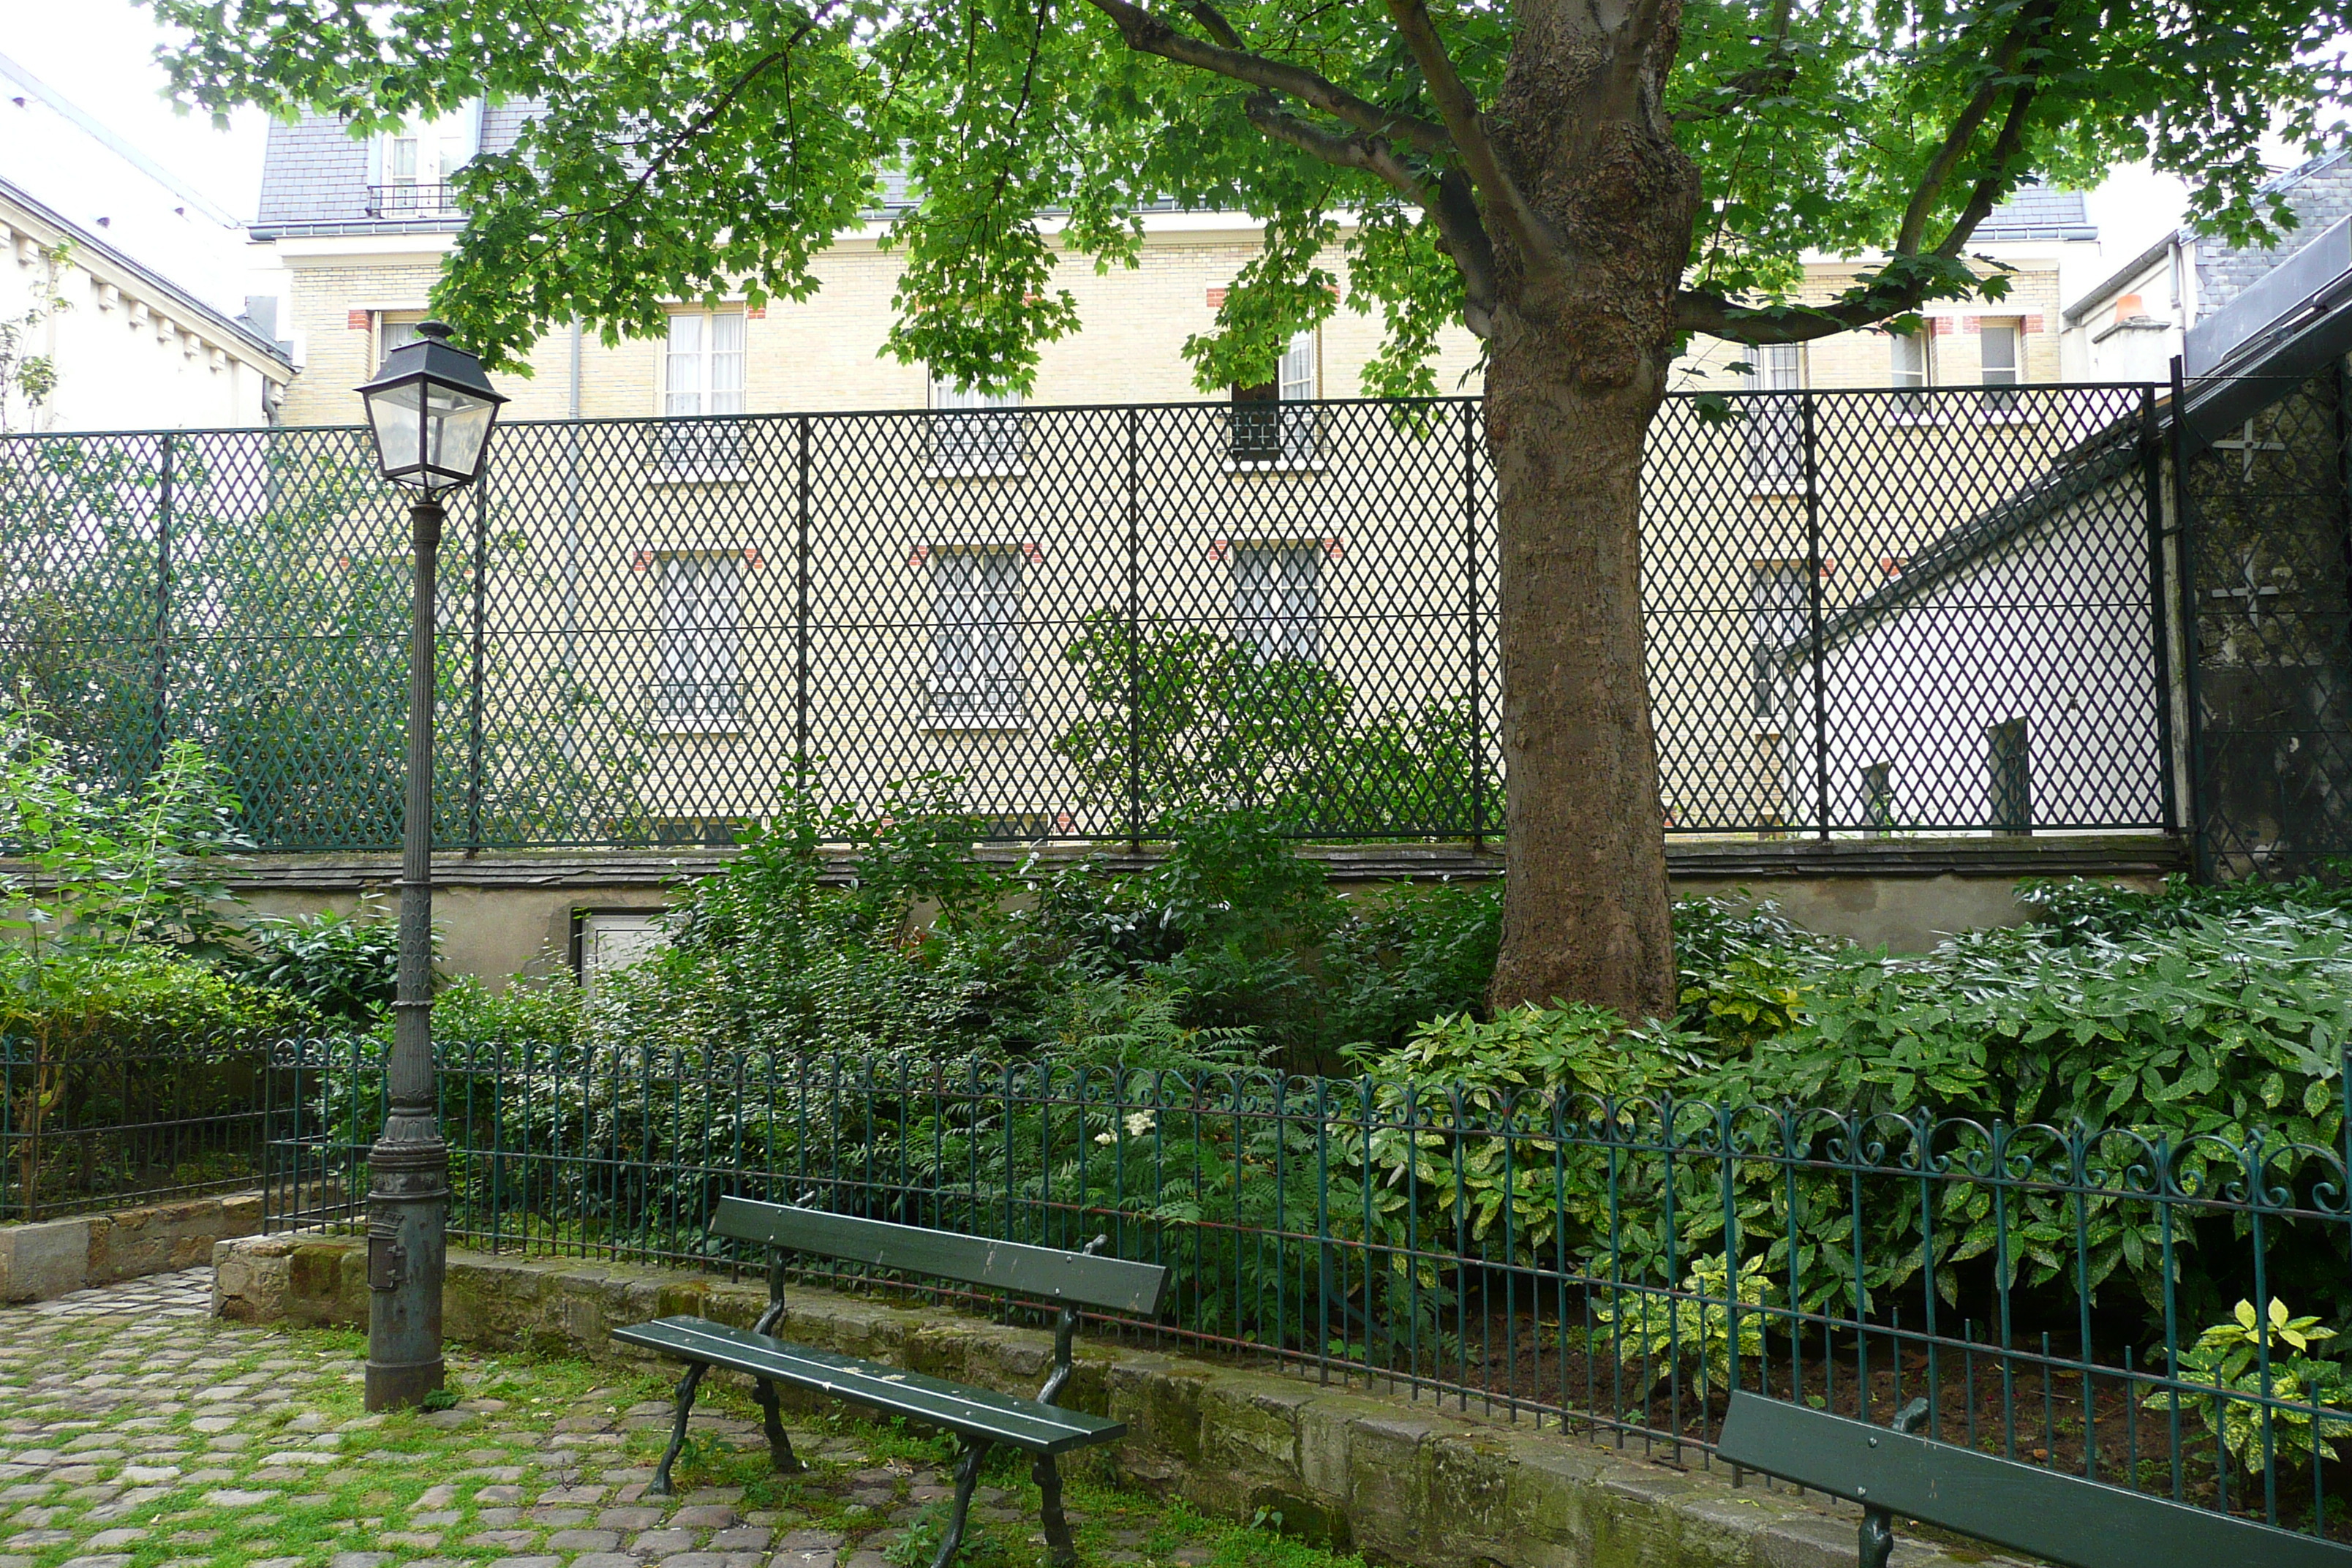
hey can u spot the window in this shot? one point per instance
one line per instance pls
(1779, 616)
(2002, 357)
(1276, 599)
(974, 432)
(702, 374)
(1912, 371)
(976, 666)
(698, 687)
(2012, 776)
(394, 331)
(1776, 434)
(1263, 430)
(414, 164)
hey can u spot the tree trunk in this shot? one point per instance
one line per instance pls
(1578, 362)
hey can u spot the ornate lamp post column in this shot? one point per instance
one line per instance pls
(431, 409)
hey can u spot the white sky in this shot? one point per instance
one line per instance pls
(99, 54)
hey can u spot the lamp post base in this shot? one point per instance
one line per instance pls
(408, 1207)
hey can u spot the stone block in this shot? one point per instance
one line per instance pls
(42, 1261)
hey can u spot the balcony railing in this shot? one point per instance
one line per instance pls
(437, 200)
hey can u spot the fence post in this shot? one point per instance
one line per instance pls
(475, 666)
(2185, 552)
(801, 613)
(1134, 639)
(1813, 616)
(2159, 630)
(1476, 751)
(163, 601)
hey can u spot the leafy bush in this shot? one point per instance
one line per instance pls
(2232, 1355)
(345, 967)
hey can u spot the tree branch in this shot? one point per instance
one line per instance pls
(1995, 182)
(1930, 189)
(1151, 35)
(1458, 107)
(1448, 204)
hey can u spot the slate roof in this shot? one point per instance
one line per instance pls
(2319, 192)
(2037, 212)
(314, 176)
(314, 180)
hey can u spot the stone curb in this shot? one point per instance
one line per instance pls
(1399, 1480)
(46, 1258)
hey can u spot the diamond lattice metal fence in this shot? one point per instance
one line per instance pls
(1869, 612)
(2269, 531)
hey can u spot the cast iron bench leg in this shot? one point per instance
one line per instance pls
(687, 1385)
(967, 1475)
(1877, 1545)
(780, 1444)
(1061, 1551)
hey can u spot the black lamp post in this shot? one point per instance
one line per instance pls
(431, 408)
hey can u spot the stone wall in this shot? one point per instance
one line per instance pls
(1400, 1479)
(42, 1261)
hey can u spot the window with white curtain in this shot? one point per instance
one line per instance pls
(976, 658)
(974, 432)
(394, 331)
(1776, 434)
(1912, 368)
(2001, 359)
(1278, 594)
(698, 686)
(1275, 421)
(702, 374)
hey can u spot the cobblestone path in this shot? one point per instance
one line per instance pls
(137, 1431)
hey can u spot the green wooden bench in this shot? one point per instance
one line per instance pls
(2062, 1518)
(981, 1417)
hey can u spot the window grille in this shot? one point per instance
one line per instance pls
(699, 687)
(976, 662)
(1278, 594)
(1779, 619)
(1275, 421)
(977, 432)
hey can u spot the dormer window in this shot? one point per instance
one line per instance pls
(414, 164)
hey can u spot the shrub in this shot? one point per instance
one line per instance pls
(345, 966)
(2232, 1356)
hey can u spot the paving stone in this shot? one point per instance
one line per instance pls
(584, 1541)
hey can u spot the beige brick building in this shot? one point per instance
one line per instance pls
(659, 633)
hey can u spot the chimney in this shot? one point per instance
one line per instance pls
(2130, 308)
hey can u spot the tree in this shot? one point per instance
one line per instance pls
(27, 377)
(1585, 184)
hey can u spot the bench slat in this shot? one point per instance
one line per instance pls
(2084, 1524)
(969, 1411)
(1047, 1273)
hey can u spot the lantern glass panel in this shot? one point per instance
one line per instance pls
(458, 424)
(396, 416)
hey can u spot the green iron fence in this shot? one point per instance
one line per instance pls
(1611, 1267)
(1868, 611)
(82, 1131)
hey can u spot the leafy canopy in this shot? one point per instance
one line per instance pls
(683, 149)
